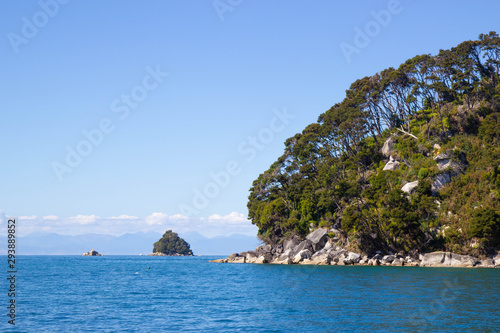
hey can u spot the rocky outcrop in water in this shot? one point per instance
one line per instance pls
(319, 248)
(92, 253)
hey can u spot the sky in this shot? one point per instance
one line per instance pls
(126, 116)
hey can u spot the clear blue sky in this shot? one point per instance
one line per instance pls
(229, 69)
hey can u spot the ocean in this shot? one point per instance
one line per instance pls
(189, 294)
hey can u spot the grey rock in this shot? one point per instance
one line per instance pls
(388, 259)
(434, 258)
(303, 254)
(285, 255)
(267, 248)
(320, 258)
(440, 181)
(391, 166)
(443, 157)
(397, 262)
(238, 260)
(410, 187)
(289, 244)
(318, 238)
(347, 261)
(448, 259)
(445, 161)
(387, 147)
(267, 258)
(306, 244)
(487, 263)
(251, 255)
(260, 260)
(353, 257)
(336, 254)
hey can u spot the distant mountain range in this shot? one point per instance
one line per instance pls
(141, 242)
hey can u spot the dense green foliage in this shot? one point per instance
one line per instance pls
(330, 175)
(172, 244)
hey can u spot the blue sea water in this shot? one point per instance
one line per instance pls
(189, 294)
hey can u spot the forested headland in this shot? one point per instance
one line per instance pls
(433, 124)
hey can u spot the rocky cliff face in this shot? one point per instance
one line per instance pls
(319, 248)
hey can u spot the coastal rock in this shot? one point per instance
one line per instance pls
(320, 258)
(290, 243)
(432, 259)
(410, 187)
(260, 260)
(285, 255)
(267, 248)
(487, 263)
(347, 261)
(303, 254)
(353, 257)
(251, 257)
(387, 147)
(373, 262)
(397, 262)
(448, 259)
(336, 255)
(304, 245)
(388, 259)
(219, 260)
(92, 253)
(239, 260)
(318, 238)
(268, 257)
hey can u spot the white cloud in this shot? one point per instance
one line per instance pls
(213, 225)
(32, 217)
(179, 217)
(82, 219)
(124, 217)
(48, 217)
(234, 218)
(157, 219)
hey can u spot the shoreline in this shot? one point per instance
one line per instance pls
(319, 249)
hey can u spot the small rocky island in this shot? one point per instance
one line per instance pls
(92, 253)
(171, 245)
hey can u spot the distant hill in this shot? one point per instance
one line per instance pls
(136, 243)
